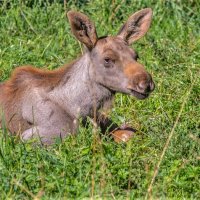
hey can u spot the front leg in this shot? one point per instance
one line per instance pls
(119, 134)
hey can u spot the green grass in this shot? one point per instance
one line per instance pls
(37, 33)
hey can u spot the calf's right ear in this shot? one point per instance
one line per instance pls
(136, 26)
(83, 28)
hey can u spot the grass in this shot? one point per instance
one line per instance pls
(163, 159)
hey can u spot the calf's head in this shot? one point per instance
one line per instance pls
(114, 63)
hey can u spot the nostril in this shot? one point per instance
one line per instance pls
(148, 89)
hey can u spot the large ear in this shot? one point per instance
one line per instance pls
(136, 26)
(83, 29)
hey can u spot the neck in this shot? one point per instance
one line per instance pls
(78, 93)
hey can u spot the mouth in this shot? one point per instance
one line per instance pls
(138, 94)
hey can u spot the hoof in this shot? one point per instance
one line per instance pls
(122, 135)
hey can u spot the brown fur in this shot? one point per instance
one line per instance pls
(23, 79)
(23, 76)
(132, 69)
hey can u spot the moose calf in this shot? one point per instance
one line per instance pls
(48, 104)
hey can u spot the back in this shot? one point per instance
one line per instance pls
(13, 91)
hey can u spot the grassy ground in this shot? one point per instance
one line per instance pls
(163, 157)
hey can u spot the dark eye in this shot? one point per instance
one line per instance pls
(107, 62)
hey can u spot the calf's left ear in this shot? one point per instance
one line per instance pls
(136, 26)
(83, 28)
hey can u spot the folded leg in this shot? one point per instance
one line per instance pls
(46, 135)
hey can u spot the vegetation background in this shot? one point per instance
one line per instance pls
(163, 159)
